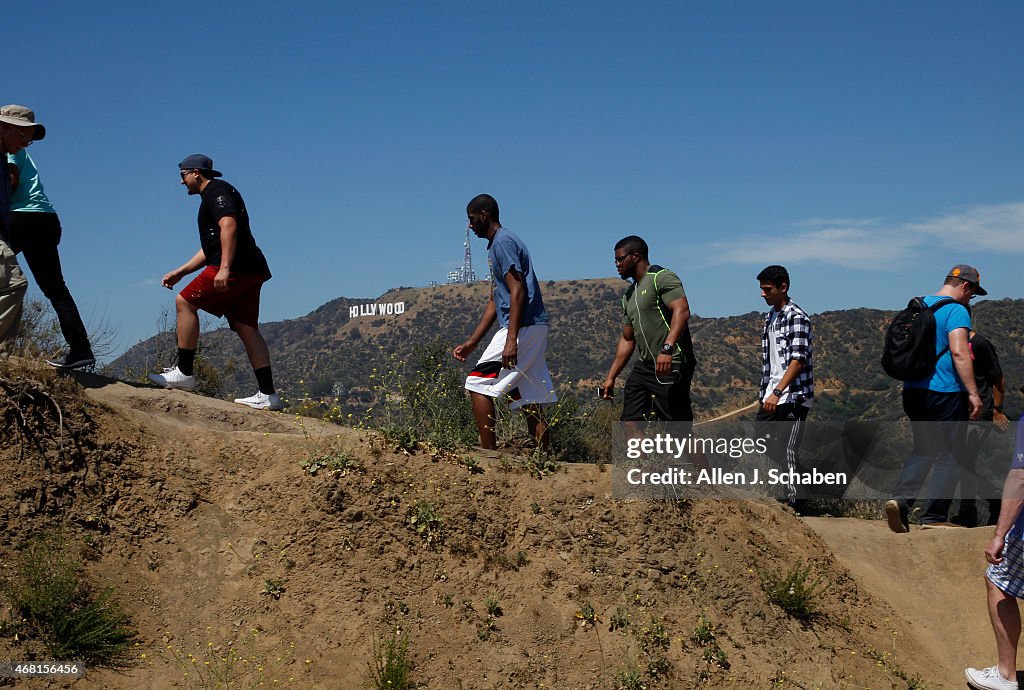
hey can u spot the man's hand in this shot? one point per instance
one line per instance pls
(609, 389)
(994, 550)
(171, 279)
(771, 403)
(220, 281)
(663, 364)
(974, 403)
(510, 355)
(464, 350)
(1001, 422)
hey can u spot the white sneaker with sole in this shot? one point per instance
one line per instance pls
(173, 378)
(988, 679)
(262, 401)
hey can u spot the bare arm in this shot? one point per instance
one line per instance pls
(772, 401)
(623, 351)
(228, 246)
(680, 309)
(189, 266)
(960, 351)
(486, 321)
(516, 307)
(1013, 500)
(998, 393)
(12, 169)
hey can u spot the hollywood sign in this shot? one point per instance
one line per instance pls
(383, 309)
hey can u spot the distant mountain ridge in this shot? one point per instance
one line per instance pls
(332, 350)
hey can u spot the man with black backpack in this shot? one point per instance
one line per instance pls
(927, 347)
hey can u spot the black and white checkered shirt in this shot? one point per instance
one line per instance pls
(796, 342)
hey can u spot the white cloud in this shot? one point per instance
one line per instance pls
(842, 246)
(996, 227)
(879, 244)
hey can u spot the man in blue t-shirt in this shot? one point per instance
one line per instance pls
(938, 407)
(513, 363)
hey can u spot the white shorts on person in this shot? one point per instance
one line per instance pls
(529, 383)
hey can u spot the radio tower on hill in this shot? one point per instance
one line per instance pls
(464, 274)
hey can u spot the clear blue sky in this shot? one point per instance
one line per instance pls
(868, 146)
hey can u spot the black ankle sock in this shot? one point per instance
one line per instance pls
(265, 380)
(186, 361)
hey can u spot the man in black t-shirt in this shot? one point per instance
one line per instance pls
(235, 270)
(989, 377)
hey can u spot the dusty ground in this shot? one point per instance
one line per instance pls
(933, 577)
(224, 547)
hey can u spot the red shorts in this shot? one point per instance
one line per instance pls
(240, 302)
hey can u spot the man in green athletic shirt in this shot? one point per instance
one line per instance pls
(654, 320)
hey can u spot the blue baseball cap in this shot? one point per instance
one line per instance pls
(198, 161)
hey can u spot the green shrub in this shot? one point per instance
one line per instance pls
(427, 523)
(704, 633)
(62, 612)
(422, 401)
(391, 668)
(619, 620)
(795, 592)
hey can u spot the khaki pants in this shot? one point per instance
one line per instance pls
(12, 293)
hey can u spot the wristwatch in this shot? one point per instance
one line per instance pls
(998, 408)
(667, 348)
(777, 393)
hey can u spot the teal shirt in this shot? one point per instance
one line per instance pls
(29, 194)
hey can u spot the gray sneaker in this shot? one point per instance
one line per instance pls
(896, 518)
(73, 360)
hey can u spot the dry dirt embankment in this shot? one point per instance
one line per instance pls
(201, 515)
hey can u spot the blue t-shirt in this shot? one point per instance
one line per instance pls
(29, 194)
(948, 318)
(507, 251)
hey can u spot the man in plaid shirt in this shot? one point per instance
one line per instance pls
(1004, 579)
(787, 374)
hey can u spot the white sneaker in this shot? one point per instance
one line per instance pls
(262, 401)
(988, 679)
(173, 378)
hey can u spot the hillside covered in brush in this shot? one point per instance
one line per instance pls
(252, 549)
(331, 353)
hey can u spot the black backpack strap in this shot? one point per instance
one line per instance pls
(939, 303)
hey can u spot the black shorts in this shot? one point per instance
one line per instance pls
(650, 397)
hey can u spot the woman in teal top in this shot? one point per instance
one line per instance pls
(35, 232)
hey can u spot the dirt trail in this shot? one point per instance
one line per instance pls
(932, 577)
(217, 539)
